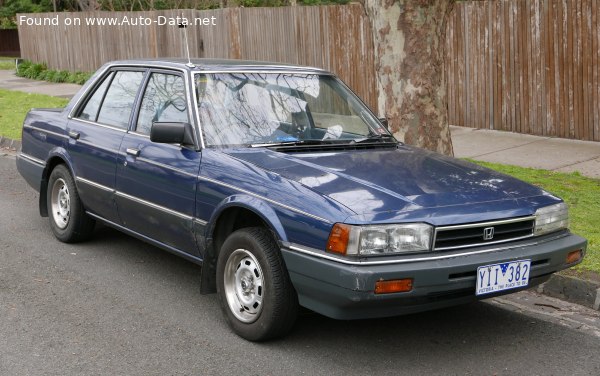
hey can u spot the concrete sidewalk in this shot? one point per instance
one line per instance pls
(555, 154)
(9, 81)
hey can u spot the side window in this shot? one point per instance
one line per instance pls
(164, 101)
(90, 111)
(118, 102)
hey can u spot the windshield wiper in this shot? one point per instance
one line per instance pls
(290, 143)
(375, 137)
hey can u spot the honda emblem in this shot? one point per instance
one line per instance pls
(488, 233)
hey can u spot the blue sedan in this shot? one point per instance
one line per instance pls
(288, 191)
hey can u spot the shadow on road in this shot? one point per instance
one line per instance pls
(473, 333)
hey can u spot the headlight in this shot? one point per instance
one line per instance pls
(551, 218)
(379, 240)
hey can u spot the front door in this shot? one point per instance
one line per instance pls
(156, 183)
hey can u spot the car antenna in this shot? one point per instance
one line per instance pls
(183, 25)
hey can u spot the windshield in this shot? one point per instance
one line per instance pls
(262, 109)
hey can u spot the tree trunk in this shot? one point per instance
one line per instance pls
(409, 38)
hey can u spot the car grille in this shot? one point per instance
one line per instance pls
(478, 234)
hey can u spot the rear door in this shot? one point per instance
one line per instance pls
(156, 183)
(96, 130)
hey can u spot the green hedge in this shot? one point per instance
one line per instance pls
(39, 71)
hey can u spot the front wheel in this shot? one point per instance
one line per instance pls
(68, 219)
(253, 285)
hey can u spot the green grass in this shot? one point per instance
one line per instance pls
(7, 63)
(14, 106)
(581, 193)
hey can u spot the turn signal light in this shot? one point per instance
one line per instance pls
(338, 238)
(574, 256)
(396, 285)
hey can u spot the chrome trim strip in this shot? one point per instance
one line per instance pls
(481, 224)
(32, 159)
(95, 185)
(123, 130)
(266, 199)
(319, 254)
(192, 103)
(139, 134)
(482, 244)
(140, 201)
(166, 64)
(162, 165)
(301, 70)
(485, 224)
(198, 127)
(45, 131)
(200, 221)
(154, 206)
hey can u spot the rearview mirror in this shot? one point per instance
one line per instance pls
(172, 133)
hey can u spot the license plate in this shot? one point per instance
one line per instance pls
(504, 276)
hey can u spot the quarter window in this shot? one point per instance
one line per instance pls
(120, 97)
(90, 111)
(163, 101)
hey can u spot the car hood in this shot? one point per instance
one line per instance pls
(390, 179)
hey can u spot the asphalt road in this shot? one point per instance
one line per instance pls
(116, 306)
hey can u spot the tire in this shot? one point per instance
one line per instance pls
(68, 220)
(253, 285)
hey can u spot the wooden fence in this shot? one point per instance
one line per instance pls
(526, 66)
(9, 43)
(337, 38)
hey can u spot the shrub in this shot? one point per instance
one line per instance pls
(79, 78)
(23, 67)
(61, 76)
(39, 71)
(34, 70)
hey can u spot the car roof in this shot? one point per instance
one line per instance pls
(220, 65)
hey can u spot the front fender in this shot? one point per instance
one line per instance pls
(243, 201)
(259, 207)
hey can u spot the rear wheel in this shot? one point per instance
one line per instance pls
(68, 219)
(253, 285)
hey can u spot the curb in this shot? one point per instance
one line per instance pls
(573, 290)
(10, 144)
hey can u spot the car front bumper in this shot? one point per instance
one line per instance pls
(342, 289)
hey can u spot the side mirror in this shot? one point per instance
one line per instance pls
(384, 122)
(172, 133)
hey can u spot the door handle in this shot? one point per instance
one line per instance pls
(74, 135)
(133, 152)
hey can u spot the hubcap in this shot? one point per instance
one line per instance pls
(60, 201)
(243, 282)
